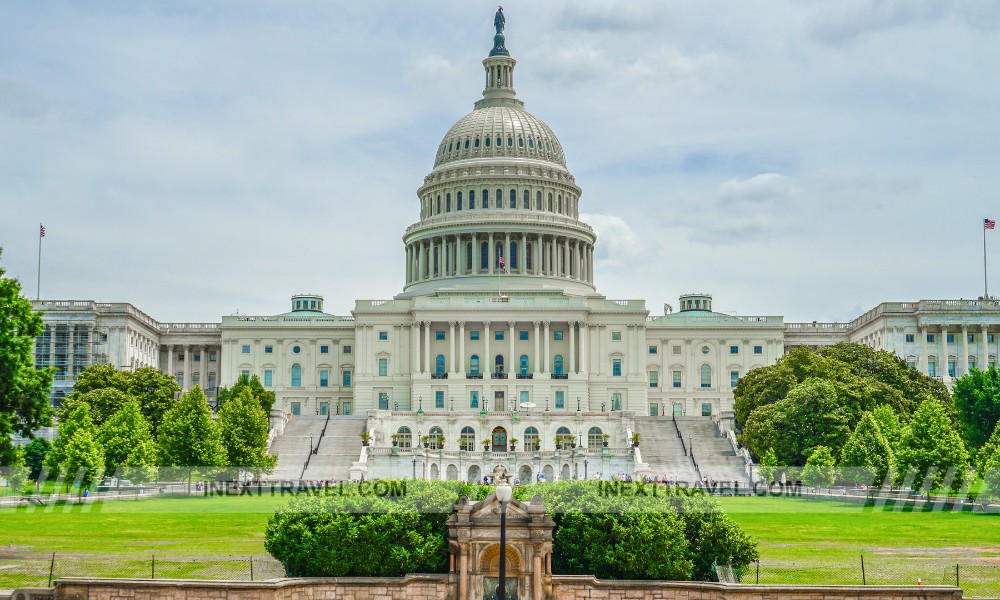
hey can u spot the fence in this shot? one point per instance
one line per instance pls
(37, 570)
(976, 579)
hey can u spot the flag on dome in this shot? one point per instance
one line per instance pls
(989, 224)
(503, 265)
(41, 230)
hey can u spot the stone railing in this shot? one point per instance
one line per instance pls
(741, 452)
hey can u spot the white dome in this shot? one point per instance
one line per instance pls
(519, 134)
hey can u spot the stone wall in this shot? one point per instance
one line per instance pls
(585, 587)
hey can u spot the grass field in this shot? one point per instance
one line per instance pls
(801, 541)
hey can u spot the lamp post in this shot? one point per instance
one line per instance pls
(414, 467)
(504, 493)
(310, 443)
(420, 409)
(585, 476)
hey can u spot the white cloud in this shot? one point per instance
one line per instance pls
(617, 244)
(766, 188)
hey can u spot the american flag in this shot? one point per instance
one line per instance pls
(41, 230)
(989, 224)
(503, 265)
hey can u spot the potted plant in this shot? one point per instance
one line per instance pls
(604, 439)
(395, 439)
(486, 445)
(513, 444)
(635, 440)
(440, 442)
(463, 445)
(365, 438)
(425, 440)
(571, 440)
(559, 441)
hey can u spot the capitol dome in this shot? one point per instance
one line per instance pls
(504, 130)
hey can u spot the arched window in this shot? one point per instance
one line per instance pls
(550, 202)
(510, 142)
(706, 376)
(528, 252)
(439, 205)
(498, 364)
(513, 257)
(466, 143)
(433, 435)
(558, 364)
(499, 141)
(488, 142)
(458, 201)
(486, 198)
(538, 201)
(526, 200)
(561, 434)
(472, 199)
(484, 255)
(439, 364)
(559, 203)
(513, 198)
(296, 375)
(520, 142)
(499, 196)
(405, 437)
(467, 439)
(474, 365)
(531, 143)
(447, 202)
(524, 364)
(594, 437)
(476, 143)
(531, 439)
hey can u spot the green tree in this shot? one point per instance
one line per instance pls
(243, 427)
(24, 390)
(867, 456)
(988, 451)
(188, 437)
(977, 402)
(77, 420)
(34, 456)
(888, 425)
(122, 434)
(154, 390)
(84, 459)
(103, 403)
(768, 466)
(991, 477)
(140, 464)
(16, 473)
(264, 397)
(932, 451)
(820, 469)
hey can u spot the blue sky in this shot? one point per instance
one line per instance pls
(805, 159)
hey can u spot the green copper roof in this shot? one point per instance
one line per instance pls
(305, 313)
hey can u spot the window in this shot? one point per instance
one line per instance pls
(560, 399)
(989, 338)
(296, 349)
(267, 350)
(439, 364)
(930, 337)
(467, 439)
(498, 198)
(951, 338)
(616, 367)
(758, 349)
(498, 335)
(951, 368)
(676, 349)
(652, 350)
(474, 364)
(912, 364)
(677, 379)
(498, 364)
(734, 377)
(524, 397)
(458, 200)
(244, 373)
(557, 336)
(211, 357)
(324, 378)
(246, 348)
(296, 408)
(296, 375)
(472, 193)
(473, 399)
(971, 338)
(384, 335)
(734, 349)
(347, 349)
(324, 349)
(268, 377)
(595, 437)
(531, 439)
(347, 379)
(931, 368)
(522, 335)
(405, 437)
(436, 433)
(383, 367)
(439, 335)
(558, 364)
(972, 364)
(383, 401)
(706, 376)
(909, 338)
(706, 409)
(439, 399)
(705, 350)
(526, 200)
(524, 364)
(473, 335)
(616, 336)
(616, 401)
(654, 377)
(513, 199)
(197, 357)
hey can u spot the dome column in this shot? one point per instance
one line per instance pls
(491, 252)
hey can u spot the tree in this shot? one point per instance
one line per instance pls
(103, 403)
(124, 433)
(867, 456)
(34, 456)
(977, 401)
(84, 461)
(768, 466)
(264, 397)
(991, 477)
(16, 473)
(188, 437)
(140, 464)
(243, 427)
(888, 425)
(988, 451)
(931, 451)
(154, 390)
(77, 420)
(820, 470)
(24, 390)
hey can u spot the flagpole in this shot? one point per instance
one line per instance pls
(38, 285)
(986, 284)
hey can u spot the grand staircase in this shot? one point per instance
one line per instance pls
(661, 449)
(292, 446)
(668, 455)
(714, 454)
(338, 450)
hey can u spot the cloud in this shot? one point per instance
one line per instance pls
(611, 16)
(766, 188)
(617, 243)
(847, 21)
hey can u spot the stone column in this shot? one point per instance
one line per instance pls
(584, 357)
(187, 368)
(451, 347)
(964, 367)
(461, 344)
(203, 369)
(572, 347)
(943, 361)
(537, 256)
(984, 352)
(522, 255)
(487, 359)
(537, 358)
(415, 344)
(536, 576)
(170, 360)
(463, 572)
(566, 258)
(545, 358)
(476, 255)
(427, 347)
(460, 255)
(506, 252)
(923, 350)
(510, 359)
(491, 252)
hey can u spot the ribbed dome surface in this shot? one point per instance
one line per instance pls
(500, 131)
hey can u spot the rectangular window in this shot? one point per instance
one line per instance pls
(677, 379)
(706, 376)
(989, 338)
(524, 397)
(734, 377)
(971, 338)
(522, 335)
(296, 408)
(971, 365)
(383, 336)
(324, 378)
(211, 357)
(473, 335)
(930, 338)
(439, 399)
(439, 335)
(383, 367)
(758, 349)
(909, 338)
(268, 349)
(676, 349)
(652, 349)
(951, 338)
(951, 368)
(706, 410)
(268, 377)
(245, 373)
(347, 349)
(616, 401)
(473, 399)
(912, 364)
(347, 379)
(931, 368)
(246, 348)
(197, 357)
(557, 336)
(654, 377)
(616, 336)
(498, 335)
(616, 367)
(560, 399)
(734, 349)
(324, 349)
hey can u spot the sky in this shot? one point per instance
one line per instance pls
(805, 159)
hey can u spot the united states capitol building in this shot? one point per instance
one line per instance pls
(500, 350)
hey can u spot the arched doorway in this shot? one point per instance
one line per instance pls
(524, 474)
(549, 473)
(452, 473)
(499, 439)
(489, 566)
(435, 472)
(475, 475)
(565, 475)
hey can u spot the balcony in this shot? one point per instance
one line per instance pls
(525, 375)
(439, 376)
(498, 375)
(560, 376)
(473, 375)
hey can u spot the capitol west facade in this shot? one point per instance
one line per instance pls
(499, 332)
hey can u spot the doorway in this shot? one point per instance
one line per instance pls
(499, 404)
(499, 439)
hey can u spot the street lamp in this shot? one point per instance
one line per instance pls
(504, 493)
(420, 410)
(577, 404)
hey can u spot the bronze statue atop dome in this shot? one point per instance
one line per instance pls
(499, 20)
